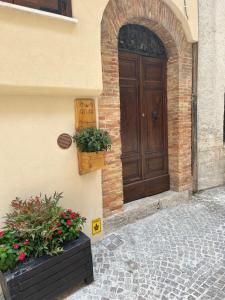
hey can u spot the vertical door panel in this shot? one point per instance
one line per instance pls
(154, 129)
(130, 123)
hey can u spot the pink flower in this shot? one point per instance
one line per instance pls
(69, 222)
(16, 246)
(25, 242)
(1, 234)
(60, 232)
(64, 216)
(22, 256)
(69, 210)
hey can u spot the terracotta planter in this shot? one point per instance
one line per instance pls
(89, 162)
(49, 276)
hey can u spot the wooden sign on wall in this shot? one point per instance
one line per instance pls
(85, 113)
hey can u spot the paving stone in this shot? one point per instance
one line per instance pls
(112, 242)
(177, 253)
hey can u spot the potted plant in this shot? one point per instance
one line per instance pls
(92, 143)
(42, 250)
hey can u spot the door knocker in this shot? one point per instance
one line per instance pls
(154, 116)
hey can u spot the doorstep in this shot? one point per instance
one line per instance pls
(142, 208)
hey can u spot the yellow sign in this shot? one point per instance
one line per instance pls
(85, 113)
(96, 226)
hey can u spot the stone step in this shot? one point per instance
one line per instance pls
(142, 208)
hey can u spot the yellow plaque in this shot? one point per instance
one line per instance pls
(85, 113)
(96, 226)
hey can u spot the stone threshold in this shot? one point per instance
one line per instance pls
(142, 208)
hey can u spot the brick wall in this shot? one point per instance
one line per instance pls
(158, 17)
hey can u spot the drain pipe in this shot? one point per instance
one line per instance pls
(194, 118)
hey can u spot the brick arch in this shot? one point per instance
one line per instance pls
(157, 16)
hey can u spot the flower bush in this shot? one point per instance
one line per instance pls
(36, 227)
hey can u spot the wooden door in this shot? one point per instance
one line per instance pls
(143, 125)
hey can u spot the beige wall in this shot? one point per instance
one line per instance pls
(31, 162)
(188, 17)
(45, 64)
(51, 54)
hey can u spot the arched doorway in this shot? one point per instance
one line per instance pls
(143, 106)
(156, 16)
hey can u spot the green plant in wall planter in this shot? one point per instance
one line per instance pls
(92, 143)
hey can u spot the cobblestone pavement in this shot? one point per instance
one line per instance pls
(177, 253)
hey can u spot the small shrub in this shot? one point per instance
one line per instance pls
(36, 227)
(92, 140)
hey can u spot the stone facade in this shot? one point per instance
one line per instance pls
(157, 16)
(211, 83)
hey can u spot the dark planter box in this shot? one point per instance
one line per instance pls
(47, 277)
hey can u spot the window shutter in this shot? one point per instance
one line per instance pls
(66, 8)
(62, 7)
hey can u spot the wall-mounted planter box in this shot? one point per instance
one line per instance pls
(47, 277)
(91, 161)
